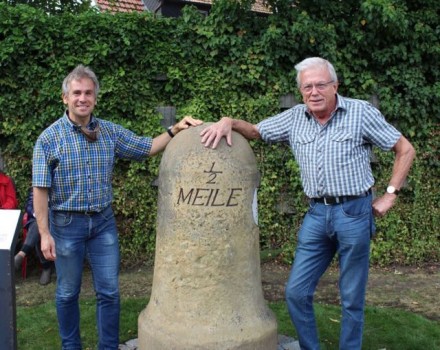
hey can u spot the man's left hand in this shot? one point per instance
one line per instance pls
(185, 123)
(382, 204)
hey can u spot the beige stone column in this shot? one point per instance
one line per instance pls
(207, 291)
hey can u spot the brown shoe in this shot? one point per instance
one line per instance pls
(46, 276)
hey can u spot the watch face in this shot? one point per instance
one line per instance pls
(391, 189)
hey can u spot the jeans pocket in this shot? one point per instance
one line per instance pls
(357, 207)
(312, 206)
(61, 219)
(107, 213)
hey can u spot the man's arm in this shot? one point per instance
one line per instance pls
(161, 141)
(41, 209)
(405, 155)
(212, 135)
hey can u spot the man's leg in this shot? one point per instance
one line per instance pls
(314, 252)
(32, 238)
(69, 232)
(353, 226)
(103, 255)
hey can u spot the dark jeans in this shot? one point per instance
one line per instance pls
(77, 237)
(344, 229)
(32, 241)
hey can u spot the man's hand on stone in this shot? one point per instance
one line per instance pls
(212, 135)
(185, 123)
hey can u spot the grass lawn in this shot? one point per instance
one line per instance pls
(385, 328)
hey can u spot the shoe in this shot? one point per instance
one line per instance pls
(45, 276)
(18, 260)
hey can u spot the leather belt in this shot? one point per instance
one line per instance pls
(340, 199)
(89, 213)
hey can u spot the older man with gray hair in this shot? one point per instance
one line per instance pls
(331, 137)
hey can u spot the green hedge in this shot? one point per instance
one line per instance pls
(234, 63)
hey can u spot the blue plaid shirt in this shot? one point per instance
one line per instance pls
(78, 173)
(334, 158)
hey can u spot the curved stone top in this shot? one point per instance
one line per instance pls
(186, 150)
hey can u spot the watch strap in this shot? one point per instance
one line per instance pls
(170, 132)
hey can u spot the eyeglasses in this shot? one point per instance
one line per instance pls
(318, 86)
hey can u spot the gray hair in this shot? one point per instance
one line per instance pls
(313, 62)
(78, 73)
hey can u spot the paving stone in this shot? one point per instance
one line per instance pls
(287, 343)
(284, 343)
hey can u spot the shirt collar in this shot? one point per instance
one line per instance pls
(91, 125)
(340, 103)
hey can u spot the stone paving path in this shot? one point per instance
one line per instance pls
(284, 343)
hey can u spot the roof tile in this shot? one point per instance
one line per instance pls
(121, 5)
(137, 5)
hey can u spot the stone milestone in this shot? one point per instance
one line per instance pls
(207, 292)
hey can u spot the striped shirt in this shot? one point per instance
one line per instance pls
(334, 158)
(78, 173)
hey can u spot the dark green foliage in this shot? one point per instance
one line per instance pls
(55, 7)
(239, 64)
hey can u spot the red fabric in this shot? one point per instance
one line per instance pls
(8, 197)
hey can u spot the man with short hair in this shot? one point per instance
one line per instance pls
(72, 171)
(331, 137)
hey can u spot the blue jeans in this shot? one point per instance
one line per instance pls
(78, 236)
(344, 229)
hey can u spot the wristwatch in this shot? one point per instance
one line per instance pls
(392, 190)
(170, 131)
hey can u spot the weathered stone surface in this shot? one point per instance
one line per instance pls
(207, 290)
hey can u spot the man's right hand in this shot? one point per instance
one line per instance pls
(48, 247)
(212, 135)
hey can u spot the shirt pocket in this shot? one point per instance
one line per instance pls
(341, 146)
(341, 136)
(304, 147)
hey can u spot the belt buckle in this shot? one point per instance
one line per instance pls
(333, 200)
